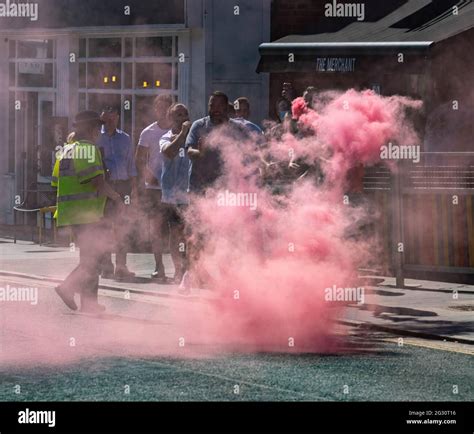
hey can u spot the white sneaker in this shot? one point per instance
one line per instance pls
(186, 284)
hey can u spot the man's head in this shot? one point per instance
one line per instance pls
(161, 104)
(218, 107)
(87, 125)
(242, 107)
(110, 116)
(177, 115)
(288, 92)
(309, 96)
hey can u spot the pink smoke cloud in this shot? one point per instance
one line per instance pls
(281, 257)
(268, 266)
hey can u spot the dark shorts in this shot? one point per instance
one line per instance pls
(152, 202)
(174, 214)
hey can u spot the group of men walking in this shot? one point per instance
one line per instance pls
(172, 161)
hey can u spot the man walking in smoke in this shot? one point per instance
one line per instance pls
(207, 166)
(81, 197)
(206, 162)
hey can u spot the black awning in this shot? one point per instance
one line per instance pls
(385, 39)
(342, 58)
(344, 48)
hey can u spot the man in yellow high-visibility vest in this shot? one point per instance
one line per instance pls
(81, 196)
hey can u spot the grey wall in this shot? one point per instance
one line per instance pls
(4, 105)
(197, 73)
(232, 50)
(85, 13)
(7, 181)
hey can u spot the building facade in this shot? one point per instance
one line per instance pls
(84, 55)
(410, 48)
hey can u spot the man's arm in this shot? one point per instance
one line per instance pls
(132, 168)
(141, 159)
(105, 189)
(194, 142)
(134, 187)
(141, 154)
(131, 165)
(194, 154)
(93, 172)
(171, 148)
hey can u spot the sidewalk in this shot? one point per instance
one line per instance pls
(53, 264)
(429, 310)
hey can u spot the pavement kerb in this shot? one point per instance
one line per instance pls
(408, 288)
(401, 332)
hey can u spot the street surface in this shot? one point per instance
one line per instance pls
(373, 366)
(134, 352)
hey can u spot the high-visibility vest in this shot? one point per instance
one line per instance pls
(78, 201)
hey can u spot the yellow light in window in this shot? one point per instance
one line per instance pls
(114, 78)
(145, 84)
(106, 80)
(158, 83)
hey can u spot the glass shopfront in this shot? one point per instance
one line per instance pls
(128, 72)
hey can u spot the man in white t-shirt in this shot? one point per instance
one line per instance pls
(175, 183)
(150, 165)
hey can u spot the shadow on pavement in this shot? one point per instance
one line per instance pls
(440, 327)
(397, 310)
(386, 293)
(133, 280)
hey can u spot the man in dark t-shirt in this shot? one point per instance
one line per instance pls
(206, 162)
(207, 165)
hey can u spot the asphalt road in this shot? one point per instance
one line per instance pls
(374, 366)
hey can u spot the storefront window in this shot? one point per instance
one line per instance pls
(32, 81)
(143, 106)
(11, 132)
(175, 78)
(128, 76)
(12, 74)
(123, 74)
(52, 134)
(35, 74)
(128, 47)
(82, 76)
(31, 63)
(82, 101)
(12, 49)
(82, 48)
(35, 49)
(153, 76)
(97, 101)
(105, 47)
(127, 114)
(104, 75)
(155, 47)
